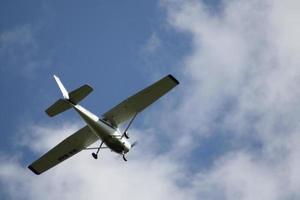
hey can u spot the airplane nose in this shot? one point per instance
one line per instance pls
(127, 147)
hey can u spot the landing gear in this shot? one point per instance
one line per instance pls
(126, 135)
(95, 155)
(124, 158)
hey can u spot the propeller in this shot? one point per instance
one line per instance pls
(134, 143)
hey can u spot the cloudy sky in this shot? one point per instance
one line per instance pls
(230, 130)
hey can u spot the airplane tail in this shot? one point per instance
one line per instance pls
(69, 98)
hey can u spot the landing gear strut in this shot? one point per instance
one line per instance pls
(124, 158)
(95, 155)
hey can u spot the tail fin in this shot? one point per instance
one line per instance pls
(62, 88)
(73, 97)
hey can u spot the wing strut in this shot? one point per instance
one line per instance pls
(125, 132)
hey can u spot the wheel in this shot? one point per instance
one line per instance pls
(126, 135)
(124, 158)
(94, 155)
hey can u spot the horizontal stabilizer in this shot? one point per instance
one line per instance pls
(59, 106)
(73, 97)
(80, 93)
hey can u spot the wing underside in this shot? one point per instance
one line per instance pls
(64, 150)
(139, 101)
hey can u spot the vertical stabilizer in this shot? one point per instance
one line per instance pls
(62, 88)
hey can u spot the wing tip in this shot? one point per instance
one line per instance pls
(173, 78)
(90, 87)
(33, 170)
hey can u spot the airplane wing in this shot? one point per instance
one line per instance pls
(64, 150)
(139, 101)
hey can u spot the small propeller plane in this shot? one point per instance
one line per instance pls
(104, 129)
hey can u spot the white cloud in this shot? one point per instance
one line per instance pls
(82, 177)
(243, 81)
(239, 176)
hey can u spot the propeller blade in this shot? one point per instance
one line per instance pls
(134, 143)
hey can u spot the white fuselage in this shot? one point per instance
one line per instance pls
(110, 135)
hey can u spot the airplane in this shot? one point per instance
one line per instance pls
(106, 129)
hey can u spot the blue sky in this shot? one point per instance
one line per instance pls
(229, 131)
